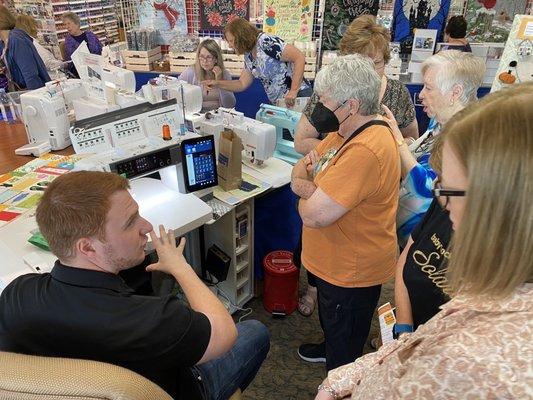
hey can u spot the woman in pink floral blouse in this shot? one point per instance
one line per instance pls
(480, 346)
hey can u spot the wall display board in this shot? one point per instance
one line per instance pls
(216, 14)
(418, 14)
(166, 16)
(491, 20)
(289, 19)
(338, 14)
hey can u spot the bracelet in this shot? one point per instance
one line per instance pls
(328, 389)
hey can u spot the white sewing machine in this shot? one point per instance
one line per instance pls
(258, 138)
(121, 78)
(45, 112)
(169, 201)
(130, 125)
(118, 85)
(166, 87)
(49, 111)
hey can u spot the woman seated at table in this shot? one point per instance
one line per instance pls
(75, 36)
(209, 65)
(479, 345)
(279, 66)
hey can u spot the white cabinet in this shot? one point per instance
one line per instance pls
(233, 234)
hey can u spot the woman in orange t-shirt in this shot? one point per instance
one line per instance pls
(349, 195)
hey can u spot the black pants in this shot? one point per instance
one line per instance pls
(345, 316)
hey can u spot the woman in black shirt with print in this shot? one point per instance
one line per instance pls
(421, 285)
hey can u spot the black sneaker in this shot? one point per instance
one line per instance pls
(314, 353)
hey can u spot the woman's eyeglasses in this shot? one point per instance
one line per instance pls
(443, 195)
(206, 58)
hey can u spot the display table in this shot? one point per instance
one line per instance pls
(278, 225)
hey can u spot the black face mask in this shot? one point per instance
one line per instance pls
(324, 120)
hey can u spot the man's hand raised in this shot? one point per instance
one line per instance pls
(171, 260)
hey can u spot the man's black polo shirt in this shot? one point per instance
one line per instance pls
(94, 315)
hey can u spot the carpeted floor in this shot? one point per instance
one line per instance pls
(283, 374)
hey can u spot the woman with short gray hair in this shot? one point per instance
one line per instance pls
(345, 71)
(76, 36)
(348, 189)
(451, 81)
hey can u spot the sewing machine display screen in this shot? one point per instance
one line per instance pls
(199, 163)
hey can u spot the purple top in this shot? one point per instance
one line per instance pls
(71, 44)
(227, 99)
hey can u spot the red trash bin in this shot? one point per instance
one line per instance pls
(280, 295)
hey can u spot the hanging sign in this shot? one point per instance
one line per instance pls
(418, 14)
(491, 20)
(289, 19)
(338, 14)
(166, 16)
(216, 14)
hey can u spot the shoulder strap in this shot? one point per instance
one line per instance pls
(361, 129)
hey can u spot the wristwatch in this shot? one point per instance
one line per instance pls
(398, 329)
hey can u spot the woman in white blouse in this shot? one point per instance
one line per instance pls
(479, 345)
(28, 24)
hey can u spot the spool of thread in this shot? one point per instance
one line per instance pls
(166, 132)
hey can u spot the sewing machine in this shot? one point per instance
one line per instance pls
(121, 78)
(258, 138)
(166, 87)
(113, 88)
(187, 167)
(284, 120)
(132, 125)
(49, 111)
(45, 112)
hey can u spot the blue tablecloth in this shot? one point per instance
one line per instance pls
(277, 225)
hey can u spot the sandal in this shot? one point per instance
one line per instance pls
(307, 303)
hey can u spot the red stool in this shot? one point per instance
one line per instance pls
(280, 296)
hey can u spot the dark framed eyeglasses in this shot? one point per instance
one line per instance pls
(443, 195)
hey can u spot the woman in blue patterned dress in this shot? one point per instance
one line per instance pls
(451, 81)
(278, 65)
